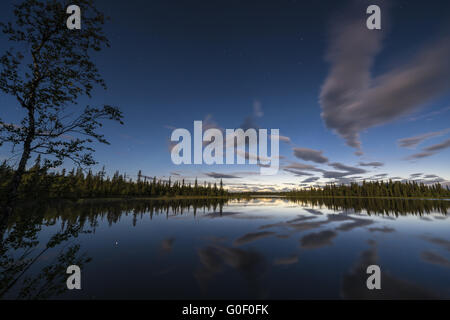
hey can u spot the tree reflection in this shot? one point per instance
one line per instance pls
(21, 250)
(33, 262)
(383, 206)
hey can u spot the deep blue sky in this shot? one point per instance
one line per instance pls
(173, 62)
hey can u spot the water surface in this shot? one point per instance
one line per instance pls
(261, 248)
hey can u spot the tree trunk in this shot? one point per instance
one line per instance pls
(17, 177)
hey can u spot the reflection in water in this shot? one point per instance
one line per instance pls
(250, 264)
(250, 237)
(354, 282)
(355, 223)
(383, 229)
(438, 241)
(286, 260)
(167, 244)
(318, 239)
(314, 211)
(246, 248)
(435, 258)
(20, 251)
(384, 206)
(350, 223)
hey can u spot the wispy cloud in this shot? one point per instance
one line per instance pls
(371, 164)
(310, 155)
(431, 150)
(429, 115)
(415, 175)
(297, 173)
(282, 138)
(217, 175)
(419, 155)
(257, 109)
(301, 169)
(312, 179)
(378, 176)
(439, 146)
(416, 140)
(302, 166)
(431, 176)
(348, 169)
(353, 101)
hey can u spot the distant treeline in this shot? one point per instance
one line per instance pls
(375, 189)
(38, 183)
(376, 206)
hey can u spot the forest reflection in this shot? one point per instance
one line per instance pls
(89, 213)
(379, 206)
(24, 247)
(21, 250)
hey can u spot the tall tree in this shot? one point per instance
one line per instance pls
(48, 69)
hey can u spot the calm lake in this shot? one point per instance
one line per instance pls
(259, 248)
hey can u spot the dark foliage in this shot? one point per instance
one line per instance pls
(376, 189)
(47, 69)
(39, 184)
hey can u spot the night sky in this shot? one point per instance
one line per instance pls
(345, 98)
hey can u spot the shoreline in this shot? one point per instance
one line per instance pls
(237, 196)
(25, 203)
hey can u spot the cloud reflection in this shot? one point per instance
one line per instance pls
(318, 239)
(253, 236)
(353, 284)
(435, 258)
(250, 264)
(286, 260)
